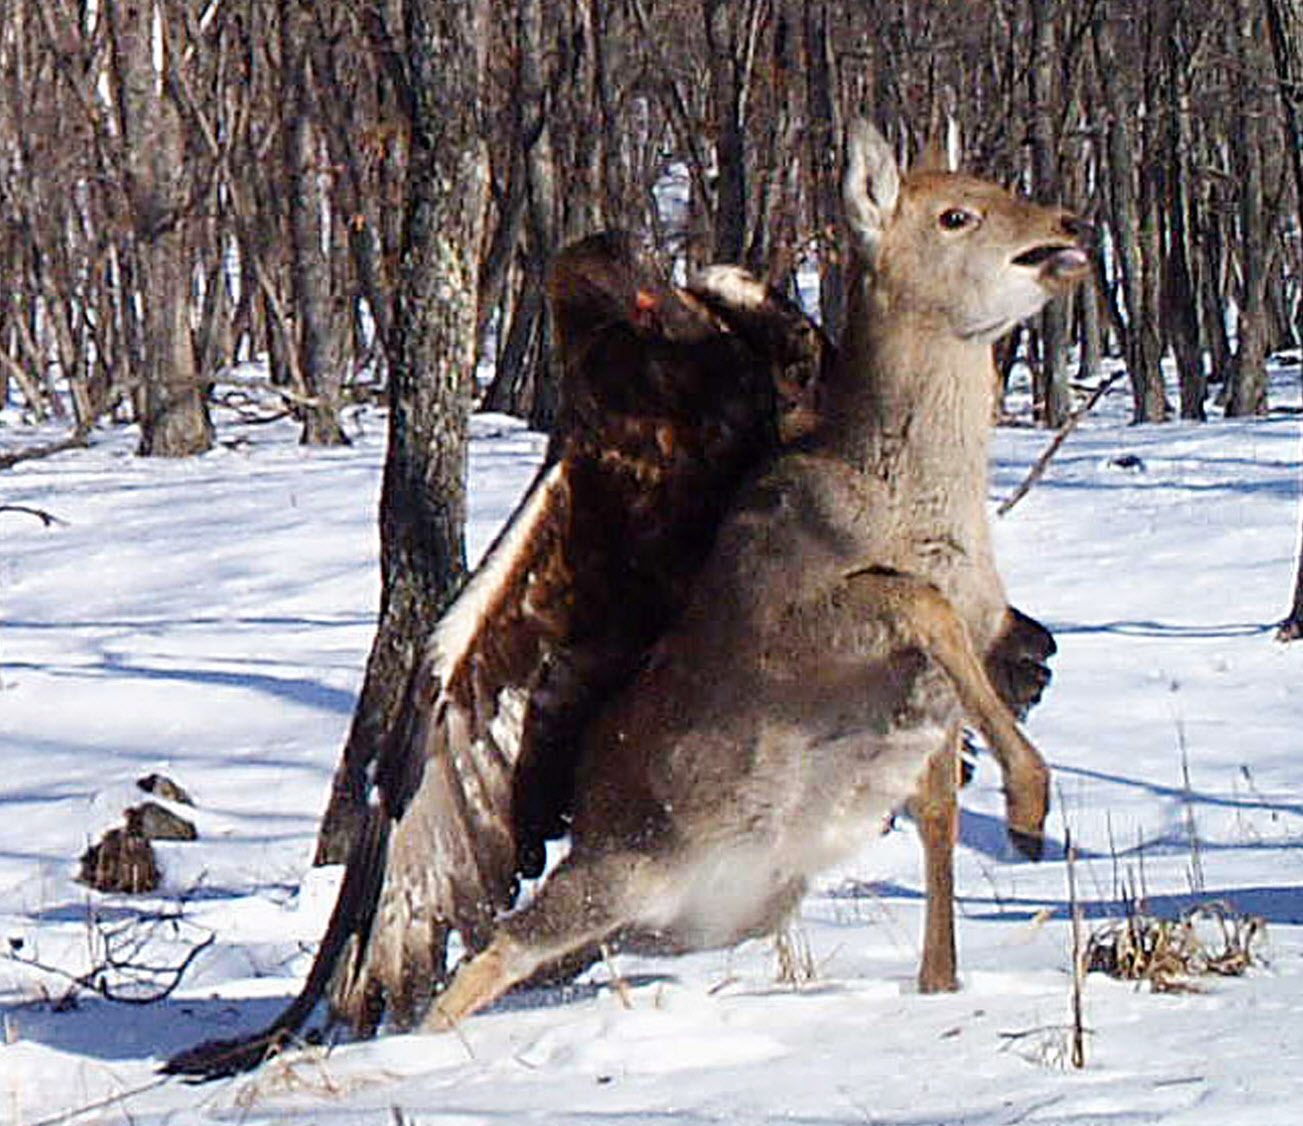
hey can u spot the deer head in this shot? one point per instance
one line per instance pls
(948, 248)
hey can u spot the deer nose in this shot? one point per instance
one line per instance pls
(1080, 229)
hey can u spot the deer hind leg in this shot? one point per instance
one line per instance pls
(935, 809)
(923, 616)
(583, 902)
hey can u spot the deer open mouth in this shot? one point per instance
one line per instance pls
(1058, 260)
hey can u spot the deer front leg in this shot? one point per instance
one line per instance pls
(935, 809)
(922, 616)
(1026, 777)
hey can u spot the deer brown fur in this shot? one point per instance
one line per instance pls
(830, 649)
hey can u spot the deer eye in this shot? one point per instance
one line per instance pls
(956, 219)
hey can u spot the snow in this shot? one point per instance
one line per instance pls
(209, 620)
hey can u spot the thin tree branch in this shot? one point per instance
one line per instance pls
(1042, 463)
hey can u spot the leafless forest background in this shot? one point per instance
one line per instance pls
(365, 194)
(186, 184)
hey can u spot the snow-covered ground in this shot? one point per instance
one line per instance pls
(209, 619)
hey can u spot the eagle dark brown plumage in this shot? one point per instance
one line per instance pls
(670, 397)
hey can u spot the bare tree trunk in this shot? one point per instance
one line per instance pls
(1147, 317)
(589, 204)
(1051, 377)
(431, 357)
(1215, 293)
(515, 383)
(1180, 301)
(544, 213)
(315, 329)
(1091, 336)
(723, 30)
(1247, 392)
(1134, 221)
(1285, 24)
(522, 384)
(173, 413)
(823, 138)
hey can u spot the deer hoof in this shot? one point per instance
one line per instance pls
(1026, 804)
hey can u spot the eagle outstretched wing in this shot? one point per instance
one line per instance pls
(668, 399)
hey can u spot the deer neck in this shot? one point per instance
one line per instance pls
(910, 402)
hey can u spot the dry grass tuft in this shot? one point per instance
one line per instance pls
(303, 1070)
(795, 957)
(1208, 940)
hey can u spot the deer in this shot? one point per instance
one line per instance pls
(819, 675)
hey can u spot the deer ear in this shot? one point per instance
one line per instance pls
(871, 185)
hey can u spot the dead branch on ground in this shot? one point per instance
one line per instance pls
(46, 518)
(122, 970)
(76, 441)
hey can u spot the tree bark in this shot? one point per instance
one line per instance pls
(1134, 226)
(823, 144)
(1180, 300)
(724, 28)
(1247, 390)
(1286, 30)
(316, 330)
(589, 206)
(531, 206)
(515, 384)
(1052, 393)
(431, 357)
(173, 412)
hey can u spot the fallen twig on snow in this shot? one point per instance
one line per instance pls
(46, 518)
(75, 441)
(120, 972)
